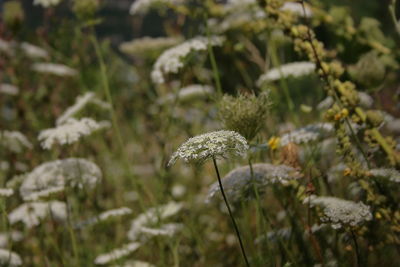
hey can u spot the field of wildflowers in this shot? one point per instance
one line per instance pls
(242, 133)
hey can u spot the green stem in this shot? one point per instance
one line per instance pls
(70, 229)
(357, 249)
(107, 91)
(139, 186)
(392, 11)
(230, 213)
(282, 80)
(213, 63)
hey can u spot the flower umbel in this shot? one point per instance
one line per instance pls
(70, 131)
(241, 182)
(339, 212)
(211, 145)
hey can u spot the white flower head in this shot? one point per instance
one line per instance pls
(144, 44)
(80, 103)
(53, 176)
(297, 9)
(8, 89)
(188, 94)
(339, 212)
(241, 182)
(172, 60)
(55, 69)
(32, 213)
(6, 192)
(116, 253)
(238, 17)
(10, 237)
(7, 47)
(9, 258)
(392, 175)
(135, 263)
(152, 216)
(309, 133)
(14, 141)
(168, 229)
(178, 190)
(219, 144)
(295, 69)
(33, 51)
(233, 5)
(104, 216)
(46, 3)
(70, 131)
(143, 6)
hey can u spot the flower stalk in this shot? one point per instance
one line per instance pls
(230, 213)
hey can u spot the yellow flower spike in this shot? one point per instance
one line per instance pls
(274, 142)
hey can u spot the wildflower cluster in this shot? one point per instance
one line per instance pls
(172, 60)
(289, 110)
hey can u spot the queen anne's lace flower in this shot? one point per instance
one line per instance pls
(8, 89)
(172, 60)
(104, 216)
(392, 175)
(295, 69)
(33, 51)
(238, 17)
(10, 237)
(117, 253)
(168, 229)
(144, 44)
(240, 183)
(80, 103)
(32, 212)
(211, 145)
(6, 192)
(238, 4)
(339, 212)
(70, 131)
(151, 216)
(188, 93)
(143, 6)
(46, 3)
(391, 123)
(55, 69)
(14, 141)
(135, 264)
(7, 47)
(53, 176)
(309, 133)
(9, 258)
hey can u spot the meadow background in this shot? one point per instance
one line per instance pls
(295, 105)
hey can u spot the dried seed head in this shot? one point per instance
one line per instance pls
(244, 114)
